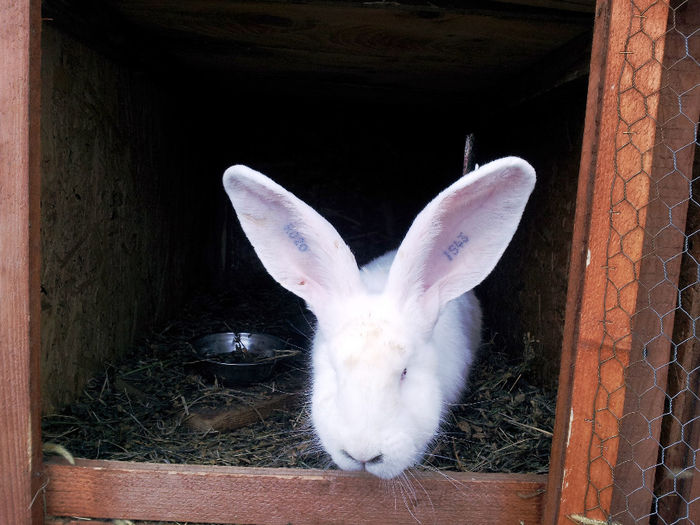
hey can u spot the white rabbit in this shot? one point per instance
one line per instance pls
(395, 340)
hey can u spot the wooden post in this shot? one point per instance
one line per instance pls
(670, 155)
(20, 439)
(616, 187)
(583, 328)
(629, 235)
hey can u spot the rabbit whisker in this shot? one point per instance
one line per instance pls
(405, 489)
(392, 484)
(438, 456)
(411, 490)
(454, 482)
(305, 315)
(422, 487)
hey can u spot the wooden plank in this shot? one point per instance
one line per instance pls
(229, 418)
(114, 259)
(679, 482)
(70, 521)
(111, 489)
(390, 49)
(606, 256)
(682, 471)
(20, 437)
(584, 6)
(670, 169)
(568, 456)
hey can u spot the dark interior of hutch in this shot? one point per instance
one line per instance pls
(359, 108)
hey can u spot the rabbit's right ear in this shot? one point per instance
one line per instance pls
(458, 238)
(298, 247)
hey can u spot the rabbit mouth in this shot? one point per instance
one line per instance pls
(385, 470)
(378, 465)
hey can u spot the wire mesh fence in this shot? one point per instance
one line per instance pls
(646, 421)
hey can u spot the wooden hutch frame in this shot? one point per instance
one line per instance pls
(33, 490)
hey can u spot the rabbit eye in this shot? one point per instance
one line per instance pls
(403, 374)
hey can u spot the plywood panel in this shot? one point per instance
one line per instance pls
(515, 302)
(123, 221)
(387, 49)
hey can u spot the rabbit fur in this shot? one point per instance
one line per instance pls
(394, 340)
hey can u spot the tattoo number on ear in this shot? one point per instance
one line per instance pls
(455, 247)
(296, 237)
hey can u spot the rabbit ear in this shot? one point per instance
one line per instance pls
(458, 238)
(298, 247)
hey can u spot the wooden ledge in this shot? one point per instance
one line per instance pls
(149, 491)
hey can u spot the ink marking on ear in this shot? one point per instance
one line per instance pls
(296, 237)
(456, 246)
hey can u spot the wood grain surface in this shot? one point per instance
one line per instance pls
(20, 437)
(101, 489)
(388, 49)
(621, 298)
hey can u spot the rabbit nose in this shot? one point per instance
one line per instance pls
(376, 459)
(372, 461)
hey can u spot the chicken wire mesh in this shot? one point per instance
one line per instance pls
(646, 425)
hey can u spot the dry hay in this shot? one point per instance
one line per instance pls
(138, 409)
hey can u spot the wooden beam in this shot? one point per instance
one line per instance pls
(20, 437)
(146, 491)
(397, 50)
(666, 156)
(679, 483)
(70, 521)
(615, 187)
(594, 137)
(584, 6)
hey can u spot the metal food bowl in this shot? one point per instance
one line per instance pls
(239, 358)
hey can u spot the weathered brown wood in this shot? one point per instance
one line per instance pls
(85, 521)
(567, 5)
(20, 436)
(669, 166)
(82, 521)
(146, 491)
(118, 252)
(606, 258)
(230, 418)
(378, 48)
(681, 428)
(567, 456)
(682, 438)
(69, 521)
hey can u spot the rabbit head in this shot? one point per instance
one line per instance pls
(394, 341)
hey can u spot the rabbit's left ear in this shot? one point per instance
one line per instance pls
(298, 247)
(458, 238)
